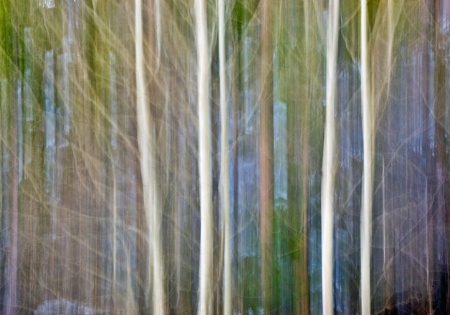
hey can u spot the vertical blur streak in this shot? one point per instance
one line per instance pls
(235, 101)
(140, 92)
(303, 265)
(11, 285)
(50, 138)
(224, 166)
(366, 203)
(147, 161)
(266, 154)
(204, 162)
(4, 160)
(329, 163)
(441, 30)
(157, 17)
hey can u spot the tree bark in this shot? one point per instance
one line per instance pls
(224, 166)
(146, 143)
(328, 163)
(368, 148)
(204, 162)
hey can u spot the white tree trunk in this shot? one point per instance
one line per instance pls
(204, 148)
(367, 185)
(328, 166)
(224, 166)
(147, 161)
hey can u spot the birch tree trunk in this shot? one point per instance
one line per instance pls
(146, 142)
(224, 166)
(328, 163)
(367, 185)
(204, 162)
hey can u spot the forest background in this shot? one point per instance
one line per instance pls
(224, 157)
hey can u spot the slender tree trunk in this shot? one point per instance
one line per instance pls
(146, 143)
(441, 242)
(4, 141)
(303, 272)
(266, 154)
(328, 163)
(224, 166)
(204, 162)
(235, 101)
(183, 250)
(387, 251)
(368, 148)
(14, 139)
(11, 287)
(382, 60)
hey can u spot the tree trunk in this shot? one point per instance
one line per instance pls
(266, 154)
(329, 163)
(224, 167)
(442, 278)
(13, 246)
(368, 148)
(204, 162)
(146, 143)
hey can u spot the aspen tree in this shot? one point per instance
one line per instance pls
(328, 163)
(146, 142)
(368, 148)
(224, 166)
(204, 162)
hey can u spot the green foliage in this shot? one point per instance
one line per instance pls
(243, 12)
(285, 243)
(6, 37)
(249, 284)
